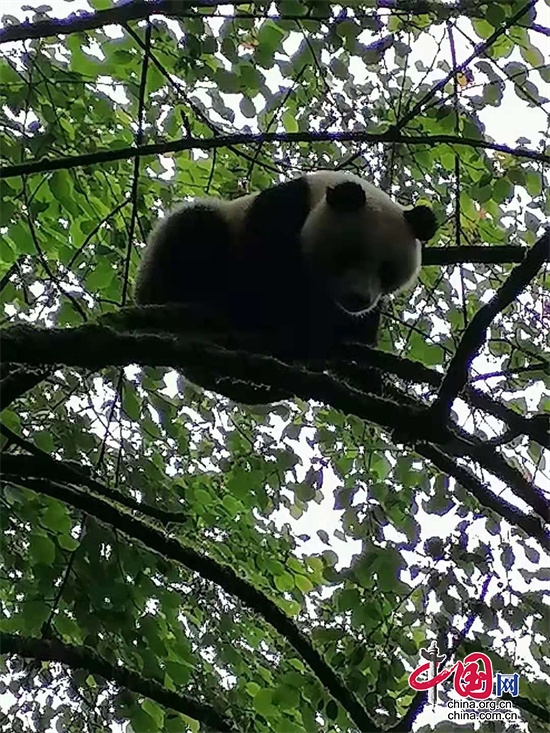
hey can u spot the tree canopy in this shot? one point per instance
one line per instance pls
(175, 561)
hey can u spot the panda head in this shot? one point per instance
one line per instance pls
(361, 243)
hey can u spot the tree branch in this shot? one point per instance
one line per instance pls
(414, 371)
(489, 255)
(478, 50)
(53, 650)
(91, 345)
(475, 334)
(142, 10)
(41, 465)
(156, 541)
(15, 382)
(528, 522)
(129, 153)
(464, 445)
(170, 319)
(153, 320)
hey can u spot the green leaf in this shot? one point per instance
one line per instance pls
(42, 549)
(348, 29)
(21, 237)
(202, 498)
(482, 28)
(263, 703)
(67, 315)
(331, 710)
(67, 542)
(303, 583)
(34, 614)
(142, 722)
(348, 599)
(173, 724)
(233, 506)
(286, 698)
(209, 45)
(284, 582)
(100, 277)
(533, 183)
(338, 68)
(179, 673)
(532, 55)
(492, 94)
(57, 518)
(130, 401)
(68, 628)
(227, 81)
(154, 710)
(8, 75)
(44, 440)
(7, 256)
(290, 123)
(270, 36)
(247, 107)
(61, 187)
(502, 190)
(7, 209)
(495, 15)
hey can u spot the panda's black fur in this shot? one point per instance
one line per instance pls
(274, 263)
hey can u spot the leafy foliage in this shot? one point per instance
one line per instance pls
(366, 546)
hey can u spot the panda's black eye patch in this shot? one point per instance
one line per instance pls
(389, 277)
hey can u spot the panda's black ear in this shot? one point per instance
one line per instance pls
(346, 197)
(422, 222)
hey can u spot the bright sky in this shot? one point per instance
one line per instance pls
(505, 124)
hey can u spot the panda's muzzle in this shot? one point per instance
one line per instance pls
(356, 304)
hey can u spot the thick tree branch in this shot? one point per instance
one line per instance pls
(475, 334)
(167, 352)
(528, 522)
(91, 346)
(15, 382)
(157, 542)
(129, 153)
(155, 319)
(17, 466)
(53, 650)
(141, 10)
(534, 427)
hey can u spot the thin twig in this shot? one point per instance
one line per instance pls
(474, 336)
(478, 50)
(174, 146)
(135, 178)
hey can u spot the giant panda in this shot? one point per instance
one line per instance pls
(304, 264)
